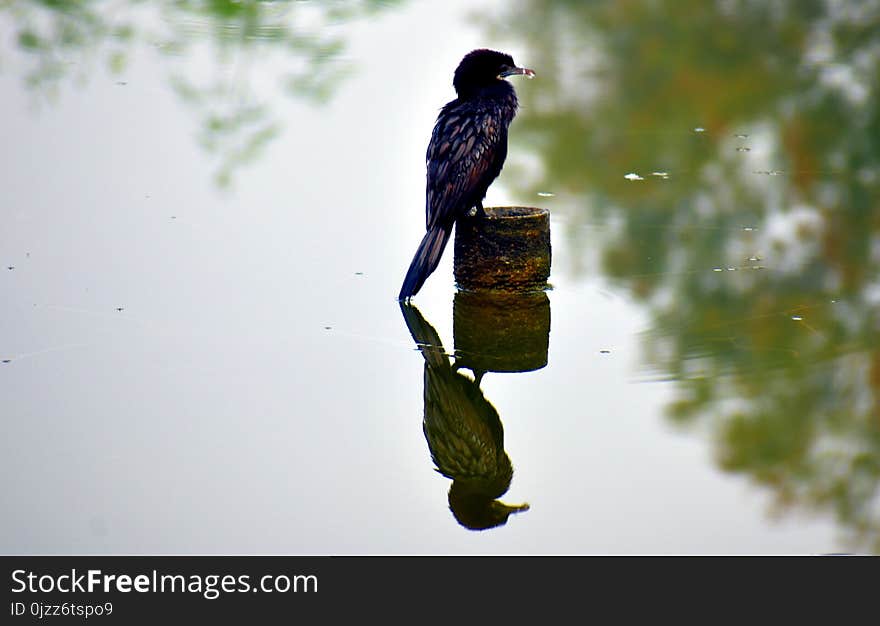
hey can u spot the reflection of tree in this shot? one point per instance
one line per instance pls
(63, 38)
(758, 255)
(464, 434)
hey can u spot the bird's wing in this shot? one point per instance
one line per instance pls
(462, 152)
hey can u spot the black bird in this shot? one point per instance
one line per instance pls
(465, 154)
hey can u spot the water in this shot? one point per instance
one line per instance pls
(208, 210)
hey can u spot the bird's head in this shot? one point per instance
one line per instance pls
(481, 514)
(483, 68)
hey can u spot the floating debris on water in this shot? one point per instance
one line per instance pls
(741, 136)
(358, 273)
(120, 309)
(717, 269)
(731, 269)
(6, 361)
(328, 328)
(604, 351)
(749, 228)
(834, 302)
(633, 176)
(660, 174)
(546, 194)
(769, 172)
(699, 129)
(753, 258)
(743, 149)
(797, 318)
(10, 267)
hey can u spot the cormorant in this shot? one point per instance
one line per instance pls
(465, 154)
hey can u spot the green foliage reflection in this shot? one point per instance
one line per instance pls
(64, 40)
(722, 160)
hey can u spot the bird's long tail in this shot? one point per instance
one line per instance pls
(425, 261)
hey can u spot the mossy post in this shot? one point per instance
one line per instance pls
(501, 315)
(507, 250)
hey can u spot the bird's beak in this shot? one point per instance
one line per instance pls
(518, 70)
(511, 508)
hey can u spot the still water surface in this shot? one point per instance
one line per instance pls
(208, 208)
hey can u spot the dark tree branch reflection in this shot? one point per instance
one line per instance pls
(64, 40)
(723, 160)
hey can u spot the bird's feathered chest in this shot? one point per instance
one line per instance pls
(466, 153)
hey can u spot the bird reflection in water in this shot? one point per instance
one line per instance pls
(464, 434)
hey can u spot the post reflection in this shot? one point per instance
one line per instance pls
(463, 430)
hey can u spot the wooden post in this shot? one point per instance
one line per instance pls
(507, 250)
